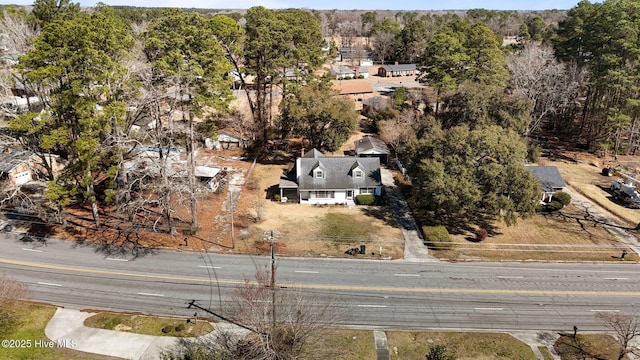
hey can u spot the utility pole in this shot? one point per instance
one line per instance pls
(273, 286)
(231, 206)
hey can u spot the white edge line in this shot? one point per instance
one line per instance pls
(209, 267)
(411, 275)
(307, 272)
(116, 259)
(616, 278)
(373, 306)
(34, 250)
(510, 277)
(600, 310)
(495, 309)
(48, 284)
(149, 294)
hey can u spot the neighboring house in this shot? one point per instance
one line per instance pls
(342, 72)
(369, 146)
(397, 70)
(229, 140)
(362, 70)
(320, 179)
(549, 178)
(359, 91)
(357, 55)
(18, 167)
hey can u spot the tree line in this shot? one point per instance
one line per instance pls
(99, 73)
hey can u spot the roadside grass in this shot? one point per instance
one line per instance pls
(343, 344)
(546, 354)
(31, 321)
(587, 346)
(149, 325)
(543, 237)
(464, 345)
(585, 178)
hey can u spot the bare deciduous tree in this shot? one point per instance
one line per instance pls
(625, 327)
(10, 291)
(278, 324)
(400, 129)
(537, 75)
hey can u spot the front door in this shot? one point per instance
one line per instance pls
(349, 194)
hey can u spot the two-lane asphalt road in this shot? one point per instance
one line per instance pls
(385, 294)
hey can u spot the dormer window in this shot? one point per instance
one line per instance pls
(358, 174)
(318, 173)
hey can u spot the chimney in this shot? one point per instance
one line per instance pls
(302, 152)
(396, 63)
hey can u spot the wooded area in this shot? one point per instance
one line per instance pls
(90, 78)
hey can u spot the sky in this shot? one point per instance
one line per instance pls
(338, 4)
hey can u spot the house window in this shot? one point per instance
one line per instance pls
(322, 194)
(319, 174)
(358, 174)
(367, 191)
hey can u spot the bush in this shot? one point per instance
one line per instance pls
(481, 234)
(179, 328)
(437, 237)
(562, 197)
(365, 199)
(277, 197)
(167, 329)
(553, 206)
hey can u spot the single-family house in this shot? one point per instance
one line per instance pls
(320, 179)
(370, 146)
(397, 70)
(342, 72)
(549, 178)
(18, 167)
(359, 91)
(355, 55)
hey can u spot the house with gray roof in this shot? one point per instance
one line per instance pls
(320, 179)
(549, 178)
(397, 70)
(370, 146)
(342, 72)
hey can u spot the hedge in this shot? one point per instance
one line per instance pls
(365, 199)
(438, 237)
(562, 197)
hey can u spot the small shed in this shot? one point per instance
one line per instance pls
(230, 140)
(209, 175)
(549, 178)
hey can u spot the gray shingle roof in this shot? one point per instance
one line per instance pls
(370, 145)
(11, 159)
(338, 173)
(548, 176)
(399, 67)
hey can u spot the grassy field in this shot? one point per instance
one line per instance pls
(543, 237)
(32, 319)
(342, 344)
(587, 346)
(140, 324)
(478, 346)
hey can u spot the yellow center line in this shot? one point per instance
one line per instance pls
(327, 287)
